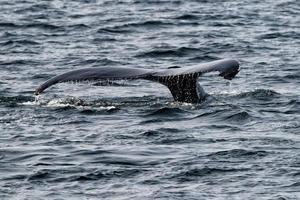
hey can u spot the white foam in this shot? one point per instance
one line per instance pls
(58, 103)
(61, 103)
(30, 103)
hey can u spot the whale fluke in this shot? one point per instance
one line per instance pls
(182, 82)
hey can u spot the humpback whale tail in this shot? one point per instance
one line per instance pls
(182, 82)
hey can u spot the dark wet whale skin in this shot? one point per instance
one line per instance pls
(182, 82)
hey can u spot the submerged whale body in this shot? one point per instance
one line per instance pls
(182, 82)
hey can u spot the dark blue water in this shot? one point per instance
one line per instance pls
(130, 140)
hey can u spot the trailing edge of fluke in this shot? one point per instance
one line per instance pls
(182, 82)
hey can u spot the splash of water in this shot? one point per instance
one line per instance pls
(36, 99)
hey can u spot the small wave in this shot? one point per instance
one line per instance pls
(238, 117)
(131, 27)
(44, 26)
(181, 51)
(16, 177)
(52, 175)
(78, 26)
(204, 56)
(149, 23)
(33, 8)
(193, 174)
(167, 136)
(90, 152)
(176, 140)
(88, 177)
(151, 133)
(96, 175)
(278, 35)
(15, 100)
(41, 164)
(20, 62)
(187, 17)
(259, 93)
(293, 185)
(209, 113)
(39, 175)
(98, 110)
(176, 2)
(170, 130)
(238, 153)
(166, 111)
(107, 38)
(93, 62)
(19, 42)
(42, 76)
(7, 24)
(113, 30)
(295, 76)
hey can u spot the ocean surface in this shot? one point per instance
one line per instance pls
(129, 139)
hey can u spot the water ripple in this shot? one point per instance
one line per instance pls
(130, 140)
